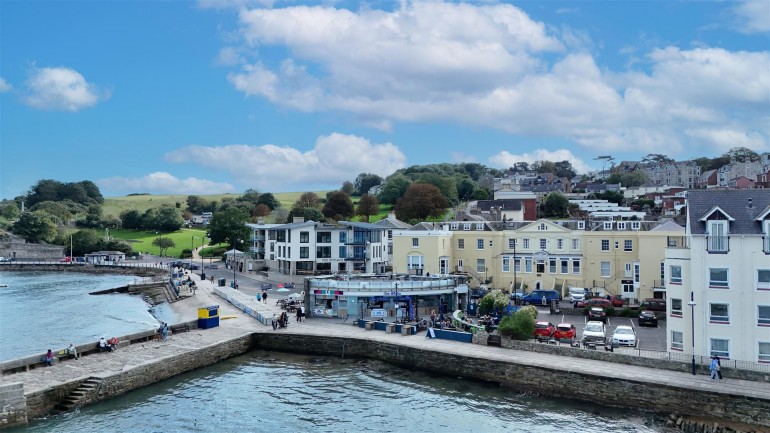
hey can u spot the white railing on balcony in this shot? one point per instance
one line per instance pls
(718, 244)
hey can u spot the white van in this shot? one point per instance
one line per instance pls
(576, 294)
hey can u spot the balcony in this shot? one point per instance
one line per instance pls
(257, 238)
(766, 244)
(678, 242)
(717, 244)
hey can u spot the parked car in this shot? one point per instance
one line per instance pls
(594, 332)
(565, 331)
(595, 302)
(67, 259)
(536, 297)
(544, 329)
(266, 286)
(653, 304)
(5, 259)
(624, 336)
(648, 318)
(597, 313)
(617, 301)
(576, 294)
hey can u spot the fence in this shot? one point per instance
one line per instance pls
(699, 359)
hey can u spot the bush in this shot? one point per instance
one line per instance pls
(531, 309)
(494, 301)
(185, 254)
(627, 312)
(519, 326)
(610, 311)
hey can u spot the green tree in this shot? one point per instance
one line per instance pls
(338, 203)
(465, 189)
(636, 178)
(307, 199)
(420, 201)
(544, 166)
(269, 200)
(9, 210)
(364, 181)
(57, 209)
(168, 219)
(85, 242)
(742, 154)
(494, 301)
(368, 206)
(656, 158)
(35, 227)
(555, 205)
(564, 169)
(131, 219)
(394, 188)
(94, 216)
(198, 205)
(251, 196)
(445, 184)
(348, 187)
(229, 226)
(163, 243)
(611, 196)
(519, 326)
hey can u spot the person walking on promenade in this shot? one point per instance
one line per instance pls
(163, 331)
(714, 368)
(259, 297)
(719, 368)
(275, 322)
(299, 314)
(264, 298)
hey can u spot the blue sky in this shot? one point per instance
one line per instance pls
(220, 96)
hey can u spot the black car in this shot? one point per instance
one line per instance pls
(597, 313)
(648, 318)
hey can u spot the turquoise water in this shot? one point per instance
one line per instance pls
(273, 392)
(42, 310)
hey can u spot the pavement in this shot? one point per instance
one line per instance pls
(186, 309)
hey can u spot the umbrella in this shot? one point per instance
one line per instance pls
(296, 296)
(283, 290)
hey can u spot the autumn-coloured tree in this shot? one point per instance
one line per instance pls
(262, 210)
(338, 204)
(420, 201)
(306, 200)
(367, 206)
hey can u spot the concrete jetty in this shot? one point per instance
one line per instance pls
(745, 404)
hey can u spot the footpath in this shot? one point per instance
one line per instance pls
(103, 364)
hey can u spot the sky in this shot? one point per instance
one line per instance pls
(209, 97)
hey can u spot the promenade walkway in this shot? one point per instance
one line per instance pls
(137, 354)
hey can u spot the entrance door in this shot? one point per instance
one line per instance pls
(443, 265)
(459, 265)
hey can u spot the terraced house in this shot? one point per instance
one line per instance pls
(618, 257)
(718, 277)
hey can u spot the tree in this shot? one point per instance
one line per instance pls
(348, 187)
(198, 205)
(520, 167)
(555, 205)
(338, 203)
(84, 242)
(307, 199)
(364, 181)
(564, 169)
(544, 166)
(465, 188)
(250, 195)
(229, 225)
(57, 209)
(636, 178)
(9, 210)
(420, 201)
(35, 227)
(606, 159)
(279, 215)
(742, 154)
(656, 158)
(367, 206)
(262, 210)
(394, 188)
(611, 196)
(163, 243)
(444, 183)
(94, 216)
(168, 219)
(131, 219)
(269, 200)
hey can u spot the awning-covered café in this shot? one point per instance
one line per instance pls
(388, 297)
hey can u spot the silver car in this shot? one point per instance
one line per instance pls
(594, 332)
(624, 336)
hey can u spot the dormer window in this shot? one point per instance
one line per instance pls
(453, 226)
(581, 225)
(717, 230)
(479, 226)
(621, 226)
(467, 226)
(635, 225)
(608, 225)
(542, 227)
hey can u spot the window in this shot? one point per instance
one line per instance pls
(527, 264)
(517, 264)
(581, 225)
(323, 237)
(542, 227)
(543, 244)
(763, 352)
(344, 237)
(526, 243)
(677, 340)
(481, 265)
(676, 274)
(676, 307)
(511, 244)
(628, 245)
(621, 226)
(281, 236)
(304, 252)
(479, 244)
(605, 244)
(564, 266)
(414, 264)
(323, 252)
(763, 279)
(453, 226)
(663, 273)
(552, 266)
(629, 269)
(344, 251)
(617, 245)
(635, 225)
(560, 244)
(506, 264)
(719, 313)
(763, 315)
(606, 269)
(479, 226)
(466, 226)
(415, 242)
(491, 243)
(720, 348)
(718, 278)
(461, 244)
(576, 266)
(717, 237)
(608, 225)
(575, 244)
(304, 237)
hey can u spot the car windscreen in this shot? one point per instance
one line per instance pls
(564, 328)
(593, 327)
(541, 325)
(624, 331)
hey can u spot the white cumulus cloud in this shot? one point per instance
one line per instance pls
(752, 16)
(61, 89)
(333, 159)
(163, 183)
(505, 159)
(4, 86)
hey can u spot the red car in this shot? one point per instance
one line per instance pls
(544, 329)
(617, 301)
(595, 302)
(67, 259)
(565, 331)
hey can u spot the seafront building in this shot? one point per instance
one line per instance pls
(718, 277)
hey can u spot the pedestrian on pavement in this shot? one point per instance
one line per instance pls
(299, 315)
(719, 368)
(259, 297)
(275, 322)
(264, 298)
(48, 358)
(714, 368)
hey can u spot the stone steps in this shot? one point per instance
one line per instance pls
(77, 396)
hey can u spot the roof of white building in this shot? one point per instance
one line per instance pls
(743, 205)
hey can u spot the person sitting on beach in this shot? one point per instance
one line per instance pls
(48, 359)
(72, 352)
(113, 343)
(103, 346)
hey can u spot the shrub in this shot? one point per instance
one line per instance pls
(185, 254)
(531, 309)
(627, 312)
(610, 311)
(493, 301)
(519, 326)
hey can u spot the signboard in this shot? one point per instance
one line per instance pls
(319, 311)
(328, 292)
(379, 312)
(393, 293)
(540, 256)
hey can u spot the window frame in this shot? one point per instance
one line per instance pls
(481, 264)
(579, 267)
(304, 237)
(724, 354)
(676, 312)
(605, 245)
(461, 243)
(479, 244)
(602, 268)
(716, 318)
(543, 243)
(763, 321)
(677, 345)
(628, 245)
(716, 284)
(673, 279)
(763, 357)
(763, 285)
(553, 265)
(415, 242)
(304, 252)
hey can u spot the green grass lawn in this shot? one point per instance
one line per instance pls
(141, 241)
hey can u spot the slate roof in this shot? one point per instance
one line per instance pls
(668, 226)
(507, 204)
(734, 202)
(392, 223)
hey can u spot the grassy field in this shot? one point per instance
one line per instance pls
(142, 241)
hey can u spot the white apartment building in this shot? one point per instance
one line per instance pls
(719, 276)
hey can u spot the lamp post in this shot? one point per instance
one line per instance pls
(692, 318)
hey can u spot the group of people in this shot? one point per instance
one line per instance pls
(716, 369)
(108, 345)
(281, 321)
(262, 297)
(163, 331)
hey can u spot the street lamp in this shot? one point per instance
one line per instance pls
(692, 317)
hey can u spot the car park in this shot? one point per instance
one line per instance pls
(624, 336)
(544, 329)
(597, 313)
(537, 296)
(565, 331)
(648, 318)
(594, 332)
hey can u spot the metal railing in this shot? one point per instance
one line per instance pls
(677, 242)
(717, 244)
(699, 359)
